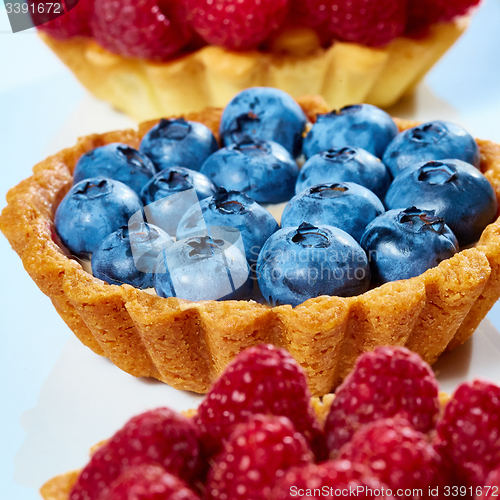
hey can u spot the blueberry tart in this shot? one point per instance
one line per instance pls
(186, 339)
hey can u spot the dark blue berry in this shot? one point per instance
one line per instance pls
(437, 140)
(263, 170)
(203, 268)
(297, 264)
(177, 142)
(264, 114)
(345, 165)
(93, 209)
(401, 244)
(360, 126)
(233, 209)
(169, 194)
(129, 255)
(346, 205)
(115, 161)
(455, 190)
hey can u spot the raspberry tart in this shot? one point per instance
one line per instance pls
(158, 58)
(272, 441)
(185, 334)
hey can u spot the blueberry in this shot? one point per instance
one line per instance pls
(203, 268)
(93, 209)
(437, 140)
(233, 209)
(129, 254)
(345, 165)
(265, 114)
(402, 244)
(177, 142)
(170, 193)
(359, 126)
(115, 161)
(263, 170)
(455, 190)
(297, 264)
(346, 205)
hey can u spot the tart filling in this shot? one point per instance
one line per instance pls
(156, 58)
(259, 435)
(326, 247)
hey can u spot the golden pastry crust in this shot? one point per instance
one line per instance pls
(187, 345)
(59, 487)
(345, 73)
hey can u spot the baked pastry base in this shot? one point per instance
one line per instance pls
(187, 345)
(345, 73)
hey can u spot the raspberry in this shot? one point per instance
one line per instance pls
(263, 379)
(423, 13)
(236, 25)
(148, 29)
(312, 13)
(160, 437)
(491, 488)
(469, 432)
(76, 22)
(384, 383)
(397, 454)
(148, 482)
(327, 478)
(366, 22)
(254, 457)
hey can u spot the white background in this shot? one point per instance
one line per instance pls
(56, 397)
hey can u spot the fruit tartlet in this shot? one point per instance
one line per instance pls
(385, 433)
(159, 58)
(342, 275)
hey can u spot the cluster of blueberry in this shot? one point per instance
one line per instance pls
(336, 237)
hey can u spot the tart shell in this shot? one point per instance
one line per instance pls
(345, 73)
(187, 345)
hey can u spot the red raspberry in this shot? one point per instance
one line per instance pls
(469, 432)
(263, 379)
(148, 29)
(236, 25)
(423, 13)
(366, 22)
(397, 454)
(386, 382)
(258, 453)
(327, 478)
(491, 489)
(76, 22)
(314, 14)
(148, 482)
(159, 436)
